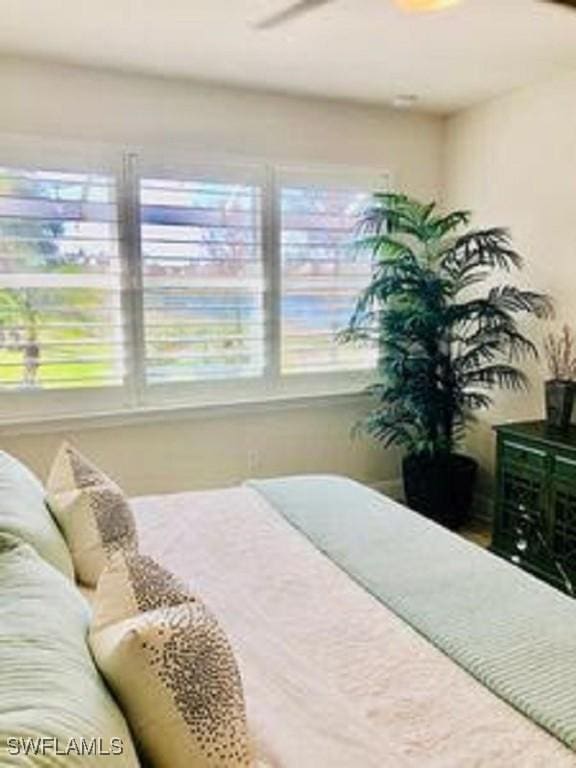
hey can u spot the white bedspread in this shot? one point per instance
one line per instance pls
(332, 678)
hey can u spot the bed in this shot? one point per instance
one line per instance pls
(339, 667)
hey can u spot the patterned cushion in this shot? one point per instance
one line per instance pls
(92, 511)
(171, 667)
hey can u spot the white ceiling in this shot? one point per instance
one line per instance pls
(364, 50)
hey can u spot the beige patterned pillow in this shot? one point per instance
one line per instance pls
(133, 584)
(171, 667)
(92, 512)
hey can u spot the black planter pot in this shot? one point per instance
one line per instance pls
(559, 403)
(440, 487)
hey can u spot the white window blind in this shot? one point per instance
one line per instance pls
(322, 275)
(60, 281)
(203, 288)
(174, 281)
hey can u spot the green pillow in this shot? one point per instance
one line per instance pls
(49, 686)
(23, 512)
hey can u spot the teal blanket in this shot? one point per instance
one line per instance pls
(512, 632)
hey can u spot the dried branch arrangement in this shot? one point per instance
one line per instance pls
(560, 349)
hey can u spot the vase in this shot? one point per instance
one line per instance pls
(559, 403)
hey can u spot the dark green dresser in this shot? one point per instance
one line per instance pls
(535, 509)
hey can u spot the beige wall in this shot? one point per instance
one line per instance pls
(50, 100)
(204, 453)
(512, 161)
(54, 101)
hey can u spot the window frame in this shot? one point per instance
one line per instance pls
(73, 157)
(127, 165)
(186, 167)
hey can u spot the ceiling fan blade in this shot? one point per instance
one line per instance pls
(292, 12)
(565, 3)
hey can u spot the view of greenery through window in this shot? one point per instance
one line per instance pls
(60, 321)
(203, 287)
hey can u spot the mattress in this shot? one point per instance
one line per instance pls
(332, 677)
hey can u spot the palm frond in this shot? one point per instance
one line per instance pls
(513, 299)
(439, 355)
(474, 401)
(497, 375)
(384, 247)
(480, 248)
(445, 224)
(502, 337)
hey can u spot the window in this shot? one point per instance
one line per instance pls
(203, 286)
(184, 283)
(60, 281)
(322, 276)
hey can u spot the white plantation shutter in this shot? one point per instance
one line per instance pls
(202, 277)
(60, 281)
(173, 281)
(322, 275)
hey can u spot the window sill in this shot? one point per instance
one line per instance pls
(173, 413)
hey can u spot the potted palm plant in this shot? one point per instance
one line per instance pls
(443, 340)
